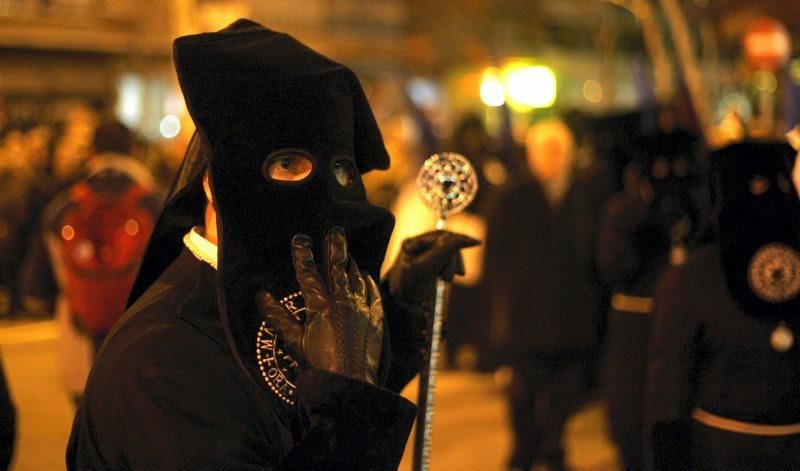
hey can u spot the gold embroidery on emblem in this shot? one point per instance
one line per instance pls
(276, 365)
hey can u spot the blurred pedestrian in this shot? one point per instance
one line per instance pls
(722, 385)
(21, 180)
(468, 344)
(545, 294)
(644, 228)
(93, 236)
(13, 213)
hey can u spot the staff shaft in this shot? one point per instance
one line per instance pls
(427, 383)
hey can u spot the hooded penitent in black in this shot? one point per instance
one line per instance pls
(177, 383)
(724, 358)
(638, 238)
(255, 96)
(759, 227)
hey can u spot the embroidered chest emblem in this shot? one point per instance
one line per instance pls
(774, 273)
(278, 368)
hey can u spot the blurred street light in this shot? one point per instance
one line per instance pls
(767, 45)
(529, 86)
(130, 89)
(492, 91)
(765, 81)
(519, 83)
(170, 126)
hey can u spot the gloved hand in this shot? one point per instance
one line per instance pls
(343, 328)
(423, 258)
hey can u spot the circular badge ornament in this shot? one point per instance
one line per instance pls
(774, 273)
(277, 366)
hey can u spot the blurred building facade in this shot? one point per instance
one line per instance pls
(58, 49)
(117, 53)
(605, 55)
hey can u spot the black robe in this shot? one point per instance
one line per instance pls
(632, 252)
(707, 352)
(165, 393)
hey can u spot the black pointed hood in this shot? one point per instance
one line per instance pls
(256, 95)
(759, 226)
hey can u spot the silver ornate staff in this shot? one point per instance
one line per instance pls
(448, 184)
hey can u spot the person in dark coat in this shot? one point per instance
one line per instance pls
(21, 182)
(256, 337)
(545, 294)
(724, 364)
(644, 228)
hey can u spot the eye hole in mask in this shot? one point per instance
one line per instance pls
(660, 168)
(680, 168)
(759, 185)
(289, 165)
(783, 184)
(345, 171)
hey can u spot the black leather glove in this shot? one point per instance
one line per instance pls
(343, 328)
(423, 258)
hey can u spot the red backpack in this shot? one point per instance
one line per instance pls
(103, 239)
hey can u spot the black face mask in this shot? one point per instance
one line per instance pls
(259, 211)
(286, 133)
(673, 172)
(759, 227)
(673, 198)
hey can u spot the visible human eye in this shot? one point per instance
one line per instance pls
(289, 167)
(345, 171)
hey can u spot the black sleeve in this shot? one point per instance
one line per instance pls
(188, 408)
(180, 409)
(674, 345)
(403, 352)
(341, 423)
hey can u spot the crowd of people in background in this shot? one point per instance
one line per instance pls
(614, 246)
(77, 206)
(38, 160)
(580, 222)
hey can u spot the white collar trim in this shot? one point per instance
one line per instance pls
(202, 248)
